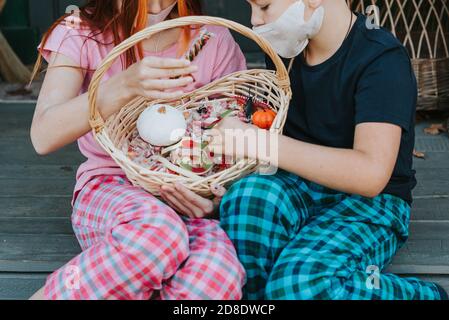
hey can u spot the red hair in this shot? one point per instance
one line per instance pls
(105, 16)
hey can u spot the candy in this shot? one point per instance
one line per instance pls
(198, 45)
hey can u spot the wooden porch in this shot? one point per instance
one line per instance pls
(36, 236)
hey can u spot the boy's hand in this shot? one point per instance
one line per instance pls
(226, 138)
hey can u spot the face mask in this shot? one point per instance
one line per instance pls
(161, 16)
(289, 35)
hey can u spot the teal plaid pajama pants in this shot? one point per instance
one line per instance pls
(299, 240)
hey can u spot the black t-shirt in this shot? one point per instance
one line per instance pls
(369, 79)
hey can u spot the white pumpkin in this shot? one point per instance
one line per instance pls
(162, 125)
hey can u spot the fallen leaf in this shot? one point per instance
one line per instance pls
(418, 154)
(435, 129)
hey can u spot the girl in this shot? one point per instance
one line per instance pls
(134, 246)
(331, 220)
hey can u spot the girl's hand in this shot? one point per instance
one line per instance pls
(152, 78)
(189, 204)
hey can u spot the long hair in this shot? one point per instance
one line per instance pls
(105, 16)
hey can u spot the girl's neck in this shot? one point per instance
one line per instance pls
(163, 40)
(335, 28)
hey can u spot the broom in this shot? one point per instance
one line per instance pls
(11, 68)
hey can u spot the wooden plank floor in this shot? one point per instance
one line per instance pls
(36, 235)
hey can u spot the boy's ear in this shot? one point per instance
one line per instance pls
(313, 4)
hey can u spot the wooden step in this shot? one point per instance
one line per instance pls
(36, 235)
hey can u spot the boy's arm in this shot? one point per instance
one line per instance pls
(364, 170)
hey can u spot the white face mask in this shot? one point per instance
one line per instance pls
(161, 16)
(289, 35)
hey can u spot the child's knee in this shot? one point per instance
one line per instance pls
(155, 234)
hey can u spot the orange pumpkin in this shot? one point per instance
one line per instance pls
(264, 118)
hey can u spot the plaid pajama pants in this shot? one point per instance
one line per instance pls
(298, 240)
(136, 248)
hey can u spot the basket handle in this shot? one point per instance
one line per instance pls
(95, 119)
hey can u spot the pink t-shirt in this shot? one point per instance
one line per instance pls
(220, 56)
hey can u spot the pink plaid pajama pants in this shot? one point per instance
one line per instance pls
(136, 248)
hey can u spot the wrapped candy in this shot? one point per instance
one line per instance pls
(198, 44)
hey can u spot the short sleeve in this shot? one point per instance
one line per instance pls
(387, 90)
(229, 56)
(69, 42)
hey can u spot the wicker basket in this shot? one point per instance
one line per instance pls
(423, 27)
(272, 87)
